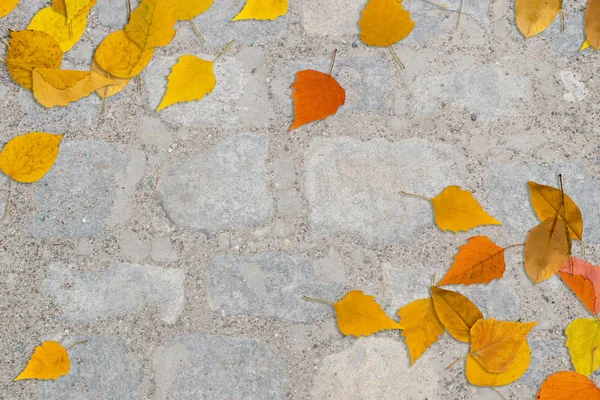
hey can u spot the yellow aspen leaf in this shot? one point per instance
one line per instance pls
(546, 249)
(547, 202)
(184, 10)
(592, 23)
(73, 8)
(151, 24)
(534, 16)
(420, 326)
(478, 261)
(495, 344)
(585, 45)
(359, 314)
(456, 312)
(49, 361)
(55, 24)
(121, 57)
(583, 341)
(262, 9)
(27, 158)
(112, 89)
(477, 375)
(567, 385)
(28, 50)
(6, 6)
(57, 87)
(457, 210)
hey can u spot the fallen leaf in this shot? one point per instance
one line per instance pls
(49, 361)
(583, 288)
(73, 8)
(477, 375)
(566, 385)
(359, 314)
(6, 6)
(420, 326)
(546, 249)
(57, 87)
(592, 23)
(478, 261)
(585, 45)
(27, 158)
(28, 50)
(547, 202)
(121, 57)
(109, 90)
(55, 24)
(534, 16)
(184, 10)
(582, 277)
(583, 340)
(151, 24)
(262, 9)
(456, 312)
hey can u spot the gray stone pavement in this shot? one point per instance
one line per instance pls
(180, 243)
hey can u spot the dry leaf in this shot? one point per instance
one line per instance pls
(184, 10)
(546, 249)
(151, 24)
(584, 277)
(456, 312)
(592, 23)
(27, 158)
(262, 9)
(359, 314)
(28, 50)
(477, 375)
(110, 90)
(478, 261)
(566, 385)
(420, 326)
(547, 202)
(73, 8)
(534, 16)
(6, 6)
(583, 288)
(121, 57)
(384, 22)
(57, 87)
(583, 340)
(49, 361)
(55, 24)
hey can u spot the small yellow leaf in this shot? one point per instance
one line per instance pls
(478, 376)
(546, 249)
(121, 57)
(534, 16)
(420, 326)
(592, 23)
(359, 314)
(27, 158)
(583, 341)
(456, 312)
(28, 50)
(6, 6)
(547, 202)
(457, 210)
(384, 22)
(585, 45)
(151, 24)
(55, 24)
(57, 87)
(190, 79)
(184, 10)
(262, 9)
(109, 90)
(73, 8)
(49, 361)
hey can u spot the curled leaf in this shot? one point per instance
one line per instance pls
(546, 249)
(49, 361)
(57, 87)
(27, 158)
(547, 202)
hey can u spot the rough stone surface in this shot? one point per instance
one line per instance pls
(132, 247)
(498, 299)
(284, 173)
(269, 285)
(566, 43)
(154, 133)
(163, 251)
(121, 289)
(198, 366)
(290, 203)
(316, 17)
(575, 89)
(225, 186)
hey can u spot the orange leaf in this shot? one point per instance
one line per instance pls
(478, 261)
(584, 281)
(546, 249)
(592, 23)
(456, 312)
(566, 385)
(359, 314)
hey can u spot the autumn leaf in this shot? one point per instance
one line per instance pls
(478, 261)
(56, 87)
(457, 210)
(27, 158)
(6, 6)
(49, 361)
(584, 280)
(55, 24)
(456, 312)
(151, 24)
(262, 9)
(565, 385)
(316, 96)
(534, 16)
(583, 340)
(547, 202)
(546, 249)
(120, 57)
(585, 45)
(420, 326)
(73, 8)
(477, 375)
(186, 10)
(109, 90)
(592, 23)
(28, 50)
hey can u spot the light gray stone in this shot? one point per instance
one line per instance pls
(84, 247)
(101, 368)
(196, 366)
(114, 14)
(374, 369)
(132, 247)
(317, 17)
(330, 268)
(153, 132)
(89, 187)
(575, 89)
(284, 173)
(163, 251)
(567, 43)
(290, 203)
(548, 355)
(269, 285)
(3, 92)
(121, 289)
(498, 299)
(223, 187)
(223, 241)
(352, 187)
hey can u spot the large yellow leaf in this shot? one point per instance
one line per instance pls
(121, 57)
(420, 326)
(109, 90)
(456, 312)
(583, 341)
(359, 314)
(546, 249)
(534, 16)
(28, 50)
(73, 8)
(547, 202)
(190, 79)
(262, 9)
(457, 210)
(384, 22)
(49, 361)
(567, 385)
(57, 87)
(592, 23)
(27, 158)
(55, 24)
(477, 375)
(151, 24)
(6, 6)
(184, 10)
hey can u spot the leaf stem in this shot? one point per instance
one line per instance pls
(196, 29)
(2, 61)
(562, 19)
(457, 360)
(445, 7)
(415, 195)
(514, 245)
(5, 41)
(582, 249)
(332, 61)
(495, 389)
(224, 50)
(7, 210)
(397, 58)
(460, 13)
(318, 300)
(129, 8)
(76, 343)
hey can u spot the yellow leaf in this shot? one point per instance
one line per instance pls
(121, 57)
(585, 45)
(384, 22)
(478, 376)
(73, 8)
(420, 326)
(57, 87)
(262, 9)
(592, 23)
(534, 16)
(583, 341)
(457, 210)
(28, 50)
(55, 24)
(151, 24)
(546, 249)
(109, 90)
(27, 158)
(49, 361)
(456, 312)
(547, 202)
(190, 79)
(359, 314)
(184, 10)
(6, 6)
